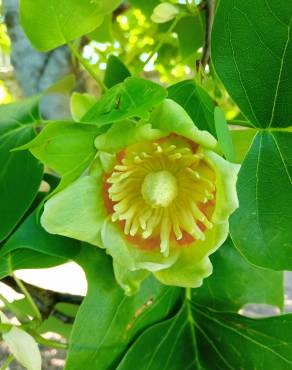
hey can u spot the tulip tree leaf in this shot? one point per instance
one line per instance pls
(20, 172)
(103, 33)
(254, 63)
(30, 235)
(224, 135)
(20, 259)
(64, 86)
(108, 320)
(50, 23)
(167, 345)
(259, 227)
(53, 324)
(115, 72)
(146, 6)
(198, 337)
(190, 34)
(106, 7)
(80, 104)
(196, 103)
(16, 114)
(158, 329)
(235, 282)
(242, 140)
(134, 97)
(66, 147)
(231, 341)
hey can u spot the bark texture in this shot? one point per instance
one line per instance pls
(36, 71)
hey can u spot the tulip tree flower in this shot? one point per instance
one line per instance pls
(157, 198)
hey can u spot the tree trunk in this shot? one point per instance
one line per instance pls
(36, 71)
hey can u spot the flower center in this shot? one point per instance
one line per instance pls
(162, 191)
(159, 188)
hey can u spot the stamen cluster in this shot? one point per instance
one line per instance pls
(163, 190)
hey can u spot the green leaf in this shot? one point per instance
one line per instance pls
(196, 103)
(62, 87)
(27, 259)
(242, 140)
(30, 235)
(53, 324)
(20, 172)
(66, 147)
(143, 331)
(49, 23)
(115, 72)
(253, 62)
(13, 116)
(146, 6)
(235, 282)
(260, 227)
(134, 97)
(231, 341)
(198, 337)
(80, 104)
(190, 34)
(103, 33)
(108, 320)
(224, 135)
(168, 345)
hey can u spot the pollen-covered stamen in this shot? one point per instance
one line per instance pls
(153, 221)
(160, 190)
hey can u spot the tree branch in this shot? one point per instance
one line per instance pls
(46, 299)
(120, 10)
(210, 13)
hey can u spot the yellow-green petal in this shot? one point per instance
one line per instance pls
(193, 264)
(77, 211)
(226, 177)
(122, 134)
(170, 117)
(130, 281)
(131, 257)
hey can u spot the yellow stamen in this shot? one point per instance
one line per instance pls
(158, 190)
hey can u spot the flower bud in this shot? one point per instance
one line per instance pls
(164, 12)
